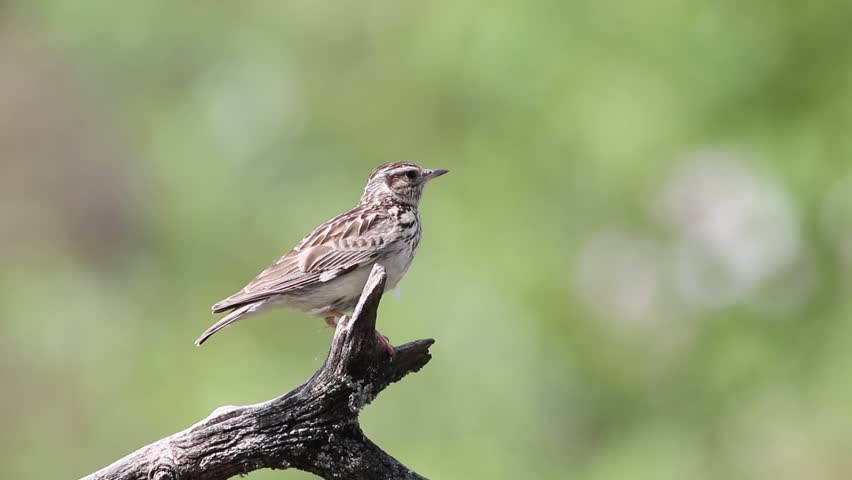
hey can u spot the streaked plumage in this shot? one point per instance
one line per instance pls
(324, 274)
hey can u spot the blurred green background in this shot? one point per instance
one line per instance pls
(638, 267)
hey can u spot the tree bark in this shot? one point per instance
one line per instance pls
(313, 428)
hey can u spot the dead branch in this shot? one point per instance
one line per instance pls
(313, 428)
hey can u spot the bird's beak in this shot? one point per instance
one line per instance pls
(434, 174)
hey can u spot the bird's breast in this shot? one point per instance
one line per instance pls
(399, 258)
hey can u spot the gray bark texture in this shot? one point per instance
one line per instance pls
(313, 428)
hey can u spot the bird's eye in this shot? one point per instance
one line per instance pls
(411, 174)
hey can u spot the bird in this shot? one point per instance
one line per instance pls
(324, 274)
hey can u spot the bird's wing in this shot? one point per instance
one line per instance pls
(342, 244)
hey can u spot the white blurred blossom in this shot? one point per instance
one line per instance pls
(733, 229)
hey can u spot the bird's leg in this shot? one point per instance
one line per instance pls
(330, 318)
(385, 343)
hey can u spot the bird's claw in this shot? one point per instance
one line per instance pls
(385, 343)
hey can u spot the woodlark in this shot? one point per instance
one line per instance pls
(324, 274)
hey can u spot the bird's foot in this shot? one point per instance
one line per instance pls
(330, 320)
(330, 317)
(385, 343)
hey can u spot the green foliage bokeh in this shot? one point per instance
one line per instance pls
(242, 125)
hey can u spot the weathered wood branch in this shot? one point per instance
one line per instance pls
(313, 428)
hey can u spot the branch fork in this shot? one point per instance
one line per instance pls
(312, 428)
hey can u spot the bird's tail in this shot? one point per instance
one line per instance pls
(228, 319)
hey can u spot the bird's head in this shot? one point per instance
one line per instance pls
(398, 181)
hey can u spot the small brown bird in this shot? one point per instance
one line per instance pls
(324, 274)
